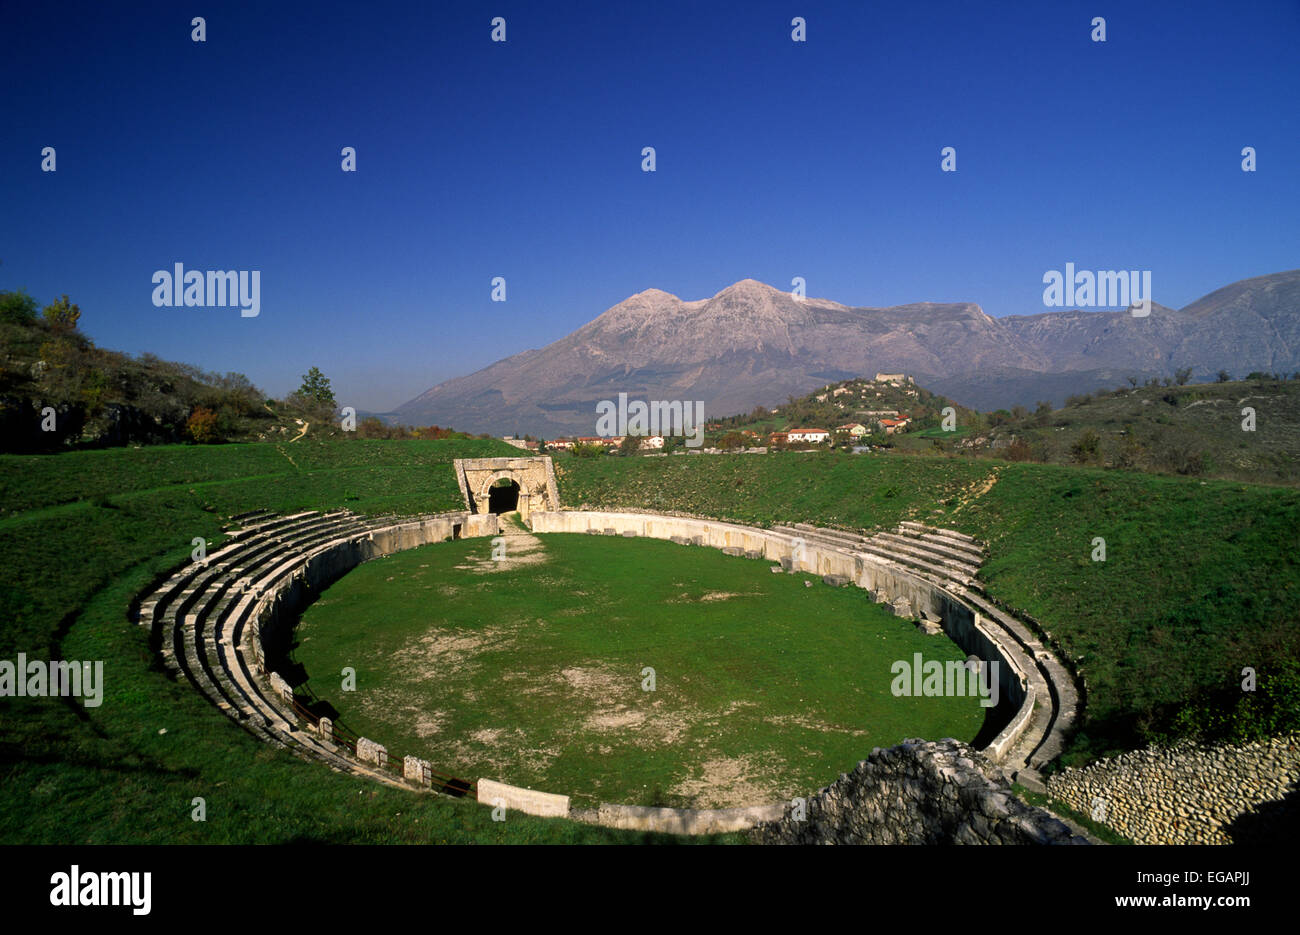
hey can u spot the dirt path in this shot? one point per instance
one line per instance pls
(521, 549)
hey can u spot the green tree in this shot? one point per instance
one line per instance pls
(732, 441)
(17, 307)
(62, 314)
(630, 445)
(316, 388)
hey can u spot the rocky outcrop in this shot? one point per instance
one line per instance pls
(920, 792)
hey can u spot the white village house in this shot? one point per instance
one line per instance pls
(813, 436)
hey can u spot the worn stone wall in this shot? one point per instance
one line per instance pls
(1191, 794)
(919, 792)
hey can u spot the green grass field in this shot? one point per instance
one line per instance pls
(1200, 579)
(532, 674)
(83, 534)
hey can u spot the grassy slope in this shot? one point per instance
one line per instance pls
(1200, 579)
(94, 532)
(1194, 429)
(788, 683)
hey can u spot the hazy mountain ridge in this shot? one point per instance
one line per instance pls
(752, 344)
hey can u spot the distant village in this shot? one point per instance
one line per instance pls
(844, 396)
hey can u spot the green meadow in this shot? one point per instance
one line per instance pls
(1200, 580)
(536, 674)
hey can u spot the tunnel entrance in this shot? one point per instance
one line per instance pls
(503, 496)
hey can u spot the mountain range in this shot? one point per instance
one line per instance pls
(752, 344)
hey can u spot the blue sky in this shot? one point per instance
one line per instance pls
(522, 159)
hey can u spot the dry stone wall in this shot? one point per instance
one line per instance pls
(1191, 794)
(920, 792)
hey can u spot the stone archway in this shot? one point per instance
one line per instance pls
(504, 495)
(534, 479)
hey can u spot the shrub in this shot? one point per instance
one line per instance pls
(1084, 450)
(1019, 450)
(588, 449)
(62, 314)
(202, 426)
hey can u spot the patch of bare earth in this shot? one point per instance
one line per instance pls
(708, 597)
(812, 725)
(445, 652)
(729, 782)
(974, 491)
(518, 549)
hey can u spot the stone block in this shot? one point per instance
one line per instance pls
(732, 550)
(528, 801)
(481, 524)
(753, 553)
(370, 752)
(325, 728)
(417, 770)
(281, 687)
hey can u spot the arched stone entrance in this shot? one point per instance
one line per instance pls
(503, 496)
(530, 480)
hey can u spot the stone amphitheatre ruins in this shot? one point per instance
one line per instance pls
(225, 625)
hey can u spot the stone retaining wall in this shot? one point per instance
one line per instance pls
(1190, 794)
(682, 820)
(920, 792)
(528, 801)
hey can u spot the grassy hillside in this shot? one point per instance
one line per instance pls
(82, 535)
(1200, 580)
(1200, 577)
(1194, 430)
